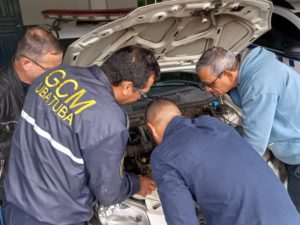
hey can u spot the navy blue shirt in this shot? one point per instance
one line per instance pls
(206, 161)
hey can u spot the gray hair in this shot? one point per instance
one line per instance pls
(36, 42)
(217, 59)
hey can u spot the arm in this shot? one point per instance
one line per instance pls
(104, 168)
(258, 117)
(176, 199)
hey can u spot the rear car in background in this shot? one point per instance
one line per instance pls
(284, 37)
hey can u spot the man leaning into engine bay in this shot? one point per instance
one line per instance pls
(69, 146)
(206, 161)
(268, 92)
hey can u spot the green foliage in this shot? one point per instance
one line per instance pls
(146, 2)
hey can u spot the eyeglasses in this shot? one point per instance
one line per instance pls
(142, 94)
(35, 62)
(211, 84)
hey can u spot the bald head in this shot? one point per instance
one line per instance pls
(161, 110)
(158, 115)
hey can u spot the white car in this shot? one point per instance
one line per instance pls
(283, 39)
(177, 32)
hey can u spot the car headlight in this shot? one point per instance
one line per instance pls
(125, 213)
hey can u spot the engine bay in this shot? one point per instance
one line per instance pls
(192, 102)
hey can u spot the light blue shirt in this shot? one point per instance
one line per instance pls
(268, 92)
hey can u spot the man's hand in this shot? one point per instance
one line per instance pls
(146, 186)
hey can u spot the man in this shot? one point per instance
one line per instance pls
(206, 161)
(268, 92)
(70, 143)
(37, 51)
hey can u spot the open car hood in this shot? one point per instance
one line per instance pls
(177, 31)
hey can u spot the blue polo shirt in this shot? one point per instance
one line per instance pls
(206, 161)
(268, 91)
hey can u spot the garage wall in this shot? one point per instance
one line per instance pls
(10, 29)
(31, 9)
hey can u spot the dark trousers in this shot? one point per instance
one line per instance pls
(15, 216)
(293, 172)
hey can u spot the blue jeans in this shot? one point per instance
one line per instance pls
(294, 184)
(15, 216)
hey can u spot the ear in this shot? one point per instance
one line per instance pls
(25, 63)
(229, 74)
(153, 131)
(126, 87)
(151, 127)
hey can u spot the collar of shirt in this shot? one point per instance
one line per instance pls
(172, 124)
(25, 86)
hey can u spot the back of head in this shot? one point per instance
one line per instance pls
(217, 59)
(36, 42)
(161, 111)
(131, 63)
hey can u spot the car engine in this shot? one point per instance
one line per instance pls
(192, 102)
